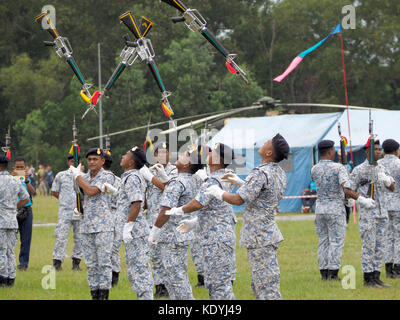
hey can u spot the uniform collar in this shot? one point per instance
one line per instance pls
(129, 172)
(218, 172)
(390, 156)
(4, 173)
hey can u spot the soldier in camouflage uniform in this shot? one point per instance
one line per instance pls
(136, 229)
(13, 196)
(216, 225)
(160, 175)
(174, 245)
(97, 226)
(262, 192)
(333, 183)
(114, 181)
(391, 162)
(63, 189)
(373, 221)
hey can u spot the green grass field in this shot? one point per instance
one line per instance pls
(300, 279)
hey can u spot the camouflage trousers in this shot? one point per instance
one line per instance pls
(373, 235)
(331, 231)
(218, 258)
(197, 255)
(392, 251)
(175, 260)
(8, 263)
(138, 267)
(115, 255)
(97, 251)
(61, 233)
(159, 274)
(265, 273)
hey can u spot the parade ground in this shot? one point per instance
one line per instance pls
(300, 278)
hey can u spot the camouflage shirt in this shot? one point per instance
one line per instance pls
(262, 191)
(361, 178)
(132, 189)
(179, 191)
(97, 216)
(216, 218)
(64, 185)
(392, 166)
(154, 194)
(329, 177)
(11, 191)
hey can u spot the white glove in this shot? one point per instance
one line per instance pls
(187, 225)
(154, 234)
(127, 232)
(385, 179)
(215, 191)
(76, 215)
(202, 174)
(161, 172)
(175, 212)
(368, 203)
(76, 172)
(233, 179)
(109, 189)
(146, 174)
(350, 203)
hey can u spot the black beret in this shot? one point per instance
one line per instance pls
(225, 152)
(4, 159)
(140, 156)
(281, 147)
(95, 152)
(390, 145)
(108, 157)
(162, 145)
(70, 157)
(325, 144)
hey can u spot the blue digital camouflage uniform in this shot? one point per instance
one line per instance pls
(11, 191)
(373, 222)
(174, 245)
(218, 239)
(330, 213)
(118, 223)
(262, 192)
(132, 189)
(392, 250)
(154, 195)
(97, 228)
(64, 185)
(196, 250)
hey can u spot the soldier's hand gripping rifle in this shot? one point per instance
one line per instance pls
(6, 149)
(195, 22)
(78, 211)
(63, 49)
(143, 49)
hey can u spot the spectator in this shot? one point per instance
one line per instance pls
(309, 202)
(25, 215)
(43, 189)
(50, 179)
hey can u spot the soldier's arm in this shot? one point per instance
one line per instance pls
(157, 182)
(232, 198)
(55, 194)
(192, 206)
(87, 188)
(22, 203)
(134, 211)
(162, 217)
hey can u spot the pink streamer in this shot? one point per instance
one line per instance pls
(296, 61)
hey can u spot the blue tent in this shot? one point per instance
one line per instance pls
(303, 133)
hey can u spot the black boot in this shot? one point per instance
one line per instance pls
(163, 291)
(75, 264)
(103, 294)
(389, 270)
(333, 275)
(10, 282)
(157, 294)
(200, 281)
(114, 280)
(57, 264)
(3, 282)
(95, 294)
(369, 281)
(324, 274)
(377, 275)
(396, 271)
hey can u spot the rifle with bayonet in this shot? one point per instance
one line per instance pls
(63, 49)
(75, 150)
(6, 149)
(371, 189)
(343, 145)
(143, 49)
(195, 22)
